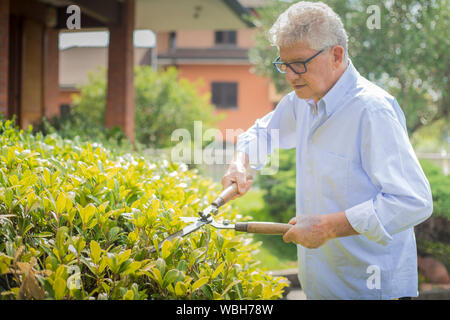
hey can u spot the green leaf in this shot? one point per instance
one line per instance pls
(173, 276)
(157, 276)
(206, 289)
(200, 282)
(166, 249)
(61, 202)
(59, 288)
(161, 265)
(218, 270)
(95, 251)
(129, 295)
(180, 288)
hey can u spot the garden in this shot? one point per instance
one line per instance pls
(81, 207)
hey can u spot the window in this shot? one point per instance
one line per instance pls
(64, 110)
(225, 37)
(224, 95)
(172, 40)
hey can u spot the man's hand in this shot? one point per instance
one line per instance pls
(238, 171)
(313, 230)
(310, 231)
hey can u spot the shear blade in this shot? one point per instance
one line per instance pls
(197, 224)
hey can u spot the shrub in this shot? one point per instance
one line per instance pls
(440, 188)
(433, 235)
(280, 188)
(77, 222)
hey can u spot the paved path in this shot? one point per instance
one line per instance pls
(296, 294)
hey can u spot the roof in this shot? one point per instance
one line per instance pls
(168, 15)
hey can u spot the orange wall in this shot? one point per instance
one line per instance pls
(253, 92)
(201, 39)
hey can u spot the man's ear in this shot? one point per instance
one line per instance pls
(338, 55)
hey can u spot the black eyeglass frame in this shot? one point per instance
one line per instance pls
(288, 64)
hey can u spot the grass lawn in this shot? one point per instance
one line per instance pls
(274, 253)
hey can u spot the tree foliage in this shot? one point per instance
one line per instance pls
(163, 103)
(407, 55)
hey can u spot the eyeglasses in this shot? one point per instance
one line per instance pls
(297, 67)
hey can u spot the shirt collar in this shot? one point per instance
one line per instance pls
(337, 92)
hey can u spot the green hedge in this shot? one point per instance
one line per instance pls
(440, 188)
(77, 222)
(280, 188)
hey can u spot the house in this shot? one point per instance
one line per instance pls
(220, 59)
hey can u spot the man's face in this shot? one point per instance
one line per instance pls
(318, 79)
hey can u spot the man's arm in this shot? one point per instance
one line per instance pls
(282, 120)
(404, 196)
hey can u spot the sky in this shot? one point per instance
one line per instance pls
(142, 38)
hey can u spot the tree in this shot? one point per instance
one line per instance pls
(406, 54)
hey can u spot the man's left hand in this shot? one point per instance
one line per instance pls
(310, 231)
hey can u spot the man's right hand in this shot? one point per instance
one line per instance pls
(238, 171)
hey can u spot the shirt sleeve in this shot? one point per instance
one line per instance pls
(276, 129)
(404, 195)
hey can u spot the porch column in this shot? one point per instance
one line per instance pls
(4, 55)
(51, 73)
(120, 90)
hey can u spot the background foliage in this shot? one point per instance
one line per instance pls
(163, 103)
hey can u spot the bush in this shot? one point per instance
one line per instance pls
(433, 235)
(163, 103)
(440, 188)
(77, 222)
(81, 128)
(280, 188)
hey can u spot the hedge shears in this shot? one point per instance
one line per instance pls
(206, 217)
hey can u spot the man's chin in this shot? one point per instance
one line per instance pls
(302, 95)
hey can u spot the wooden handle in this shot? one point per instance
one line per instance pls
(227, 194)
(263, 227)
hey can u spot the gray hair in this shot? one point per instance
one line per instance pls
(312, 22)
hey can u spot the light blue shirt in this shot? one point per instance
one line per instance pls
(352, 154)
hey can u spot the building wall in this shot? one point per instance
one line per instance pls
(75, 63)
(253, 92)
(201, 39)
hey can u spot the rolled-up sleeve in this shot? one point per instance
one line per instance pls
(404, 195)
(276, 129)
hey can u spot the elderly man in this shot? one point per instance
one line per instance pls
(360, 189)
